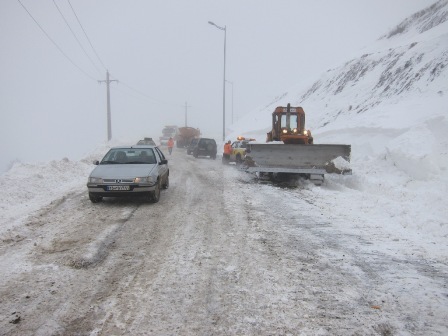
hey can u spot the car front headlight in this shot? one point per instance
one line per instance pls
(95, 180)
(146, 179)
(284, 131)
(294, 130)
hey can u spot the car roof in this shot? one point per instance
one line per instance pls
(134, 146)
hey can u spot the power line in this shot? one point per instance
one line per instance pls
(54, 43)
(79, 68)
(76, 38)
(148, 97)
(86, 35)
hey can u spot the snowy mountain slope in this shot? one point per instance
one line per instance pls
(414, 70)
(382, 94)
(422, 21)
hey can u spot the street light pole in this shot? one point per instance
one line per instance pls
(231, 83)
(223, 84)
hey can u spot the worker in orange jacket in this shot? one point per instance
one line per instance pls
(170, 145)
(227, 152)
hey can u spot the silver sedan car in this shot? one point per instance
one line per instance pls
(132, 170)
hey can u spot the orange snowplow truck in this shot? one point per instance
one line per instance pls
(288, 125)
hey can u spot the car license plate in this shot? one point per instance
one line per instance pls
(120, 188)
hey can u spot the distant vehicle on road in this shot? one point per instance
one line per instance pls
(167, 133)
(146, 141)
(191, 146)
(205, 147)
(132, 170)
(185, 135)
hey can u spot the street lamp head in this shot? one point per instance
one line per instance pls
(214, 24)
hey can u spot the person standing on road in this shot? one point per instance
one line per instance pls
(170, 145)
(227, 152)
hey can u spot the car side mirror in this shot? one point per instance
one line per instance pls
(163, 162)
(96, 162)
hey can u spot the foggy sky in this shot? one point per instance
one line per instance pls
(164, 54)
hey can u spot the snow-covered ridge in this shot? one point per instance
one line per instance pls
(410, 69)
(417, 69)
(423, 20)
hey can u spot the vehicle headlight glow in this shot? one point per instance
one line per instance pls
(146, 179)
(284, 131)
(294, 130)
(95, 180)
(305, 132)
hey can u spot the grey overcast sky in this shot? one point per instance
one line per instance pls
(164, 54)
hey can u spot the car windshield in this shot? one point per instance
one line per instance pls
(129, 156)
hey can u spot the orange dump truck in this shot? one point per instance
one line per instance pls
(185, 135)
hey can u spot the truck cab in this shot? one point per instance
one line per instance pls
(288, 126)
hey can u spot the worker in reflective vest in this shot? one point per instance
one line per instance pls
(170, 145)
(227, 152)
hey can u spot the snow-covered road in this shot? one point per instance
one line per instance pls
(220, 254)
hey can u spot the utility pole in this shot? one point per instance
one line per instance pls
(109, 121)
(186, 106)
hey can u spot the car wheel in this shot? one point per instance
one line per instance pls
(167, 183)
(213, 156)
(95, 199)
(196, 154)
(155, 195)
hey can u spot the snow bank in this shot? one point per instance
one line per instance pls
(29, 187)
(413, 152)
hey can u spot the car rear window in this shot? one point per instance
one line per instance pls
(130, 156)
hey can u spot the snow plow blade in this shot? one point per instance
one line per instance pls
(301, 159)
